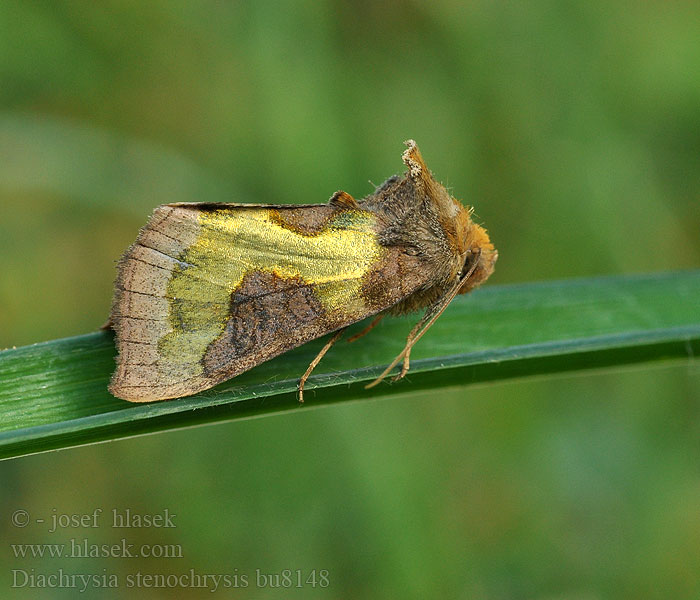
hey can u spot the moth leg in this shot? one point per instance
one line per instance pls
(418, 331)
(404, 367)
(410, 341)
(315, 361)
(406, 364)
(367, 329)
(387, 370)
(407, 350)
(404, 354)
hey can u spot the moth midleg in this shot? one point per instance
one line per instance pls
(315, 361)
(367, 329)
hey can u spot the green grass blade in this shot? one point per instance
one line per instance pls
(54, 394)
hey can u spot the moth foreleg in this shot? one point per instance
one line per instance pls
(404, 354)
(417, 333)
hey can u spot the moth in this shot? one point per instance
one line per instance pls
(210, 290)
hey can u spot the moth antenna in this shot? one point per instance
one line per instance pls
(428, 319)
(315, 361)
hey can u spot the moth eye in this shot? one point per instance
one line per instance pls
(469, 259)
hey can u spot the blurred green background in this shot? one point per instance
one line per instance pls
(574, 130)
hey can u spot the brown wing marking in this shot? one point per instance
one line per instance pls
(270, 314)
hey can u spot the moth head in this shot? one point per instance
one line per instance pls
(466, 238)
(479, 258)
